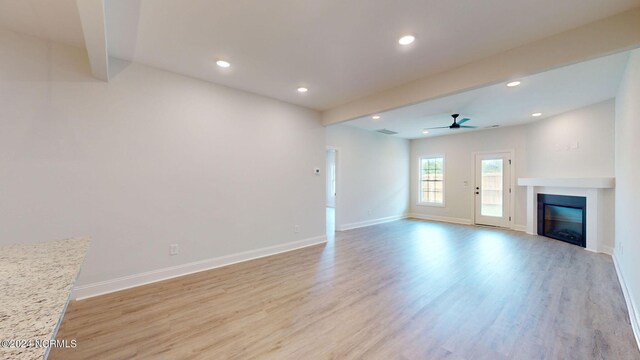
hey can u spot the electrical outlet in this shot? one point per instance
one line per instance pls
(296, 229)
(173, 249)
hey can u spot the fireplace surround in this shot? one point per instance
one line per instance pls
(598, 235)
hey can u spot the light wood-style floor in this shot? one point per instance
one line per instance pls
(403, 290)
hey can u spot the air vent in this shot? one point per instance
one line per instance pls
(387, 132)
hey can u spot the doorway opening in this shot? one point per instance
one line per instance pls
(493, 189)
(331, 189)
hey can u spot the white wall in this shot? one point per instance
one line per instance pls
(459, 168)
(627, 136)
(549, 142)
(540, 151)
(150, 159)
(372, 176)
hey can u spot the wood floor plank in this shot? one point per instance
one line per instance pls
(404, 290)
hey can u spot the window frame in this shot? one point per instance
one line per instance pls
(444, 180)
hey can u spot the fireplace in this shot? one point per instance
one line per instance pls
(598, 193)
(563, 218)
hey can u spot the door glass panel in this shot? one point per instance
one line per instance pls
(491, 188)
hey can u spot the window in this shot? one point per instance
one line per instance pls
(432, 181)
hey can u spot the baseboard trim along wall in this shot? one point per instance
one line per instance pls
(131, 281)
(633, 312)
(441, 219)
(371, 222)
(460, 221)
(606, 250)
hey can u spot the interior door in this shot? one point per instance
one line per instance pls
(493, 189)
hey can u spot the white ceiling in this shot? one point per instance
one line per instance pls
(55, 20)
(551, 93)
(341, 50)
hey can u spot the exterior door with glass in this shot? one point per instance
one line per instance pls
(493, 189)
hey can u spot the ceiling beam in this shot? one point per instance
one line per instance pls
(607, 36)
(92, 16)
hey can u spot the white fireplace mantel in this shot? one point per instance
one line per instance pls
(585, 183)
(591, 188)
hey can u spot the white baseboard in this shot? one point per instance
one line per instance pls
(441, 219)
(633, 312)
(371, 222)
(461, 221)
(130, 281)
(606, 250)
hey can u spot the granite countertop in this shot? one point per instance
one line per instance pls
(35, 283)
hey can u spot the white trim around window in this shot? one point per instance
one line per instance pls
(436, 157)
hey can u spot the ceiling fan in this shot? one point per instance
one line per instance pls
(458, 124)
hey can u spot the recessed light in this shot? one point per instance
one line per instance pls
(513, 83)
(536, 114)
(425, 131)
(223, 64)
(406, 40)
(302, 89)
(376, 117)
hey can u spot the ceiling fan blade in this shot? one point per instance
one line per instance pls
(462, 121)
(440, 127)
(492, 126)
(469, 127)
